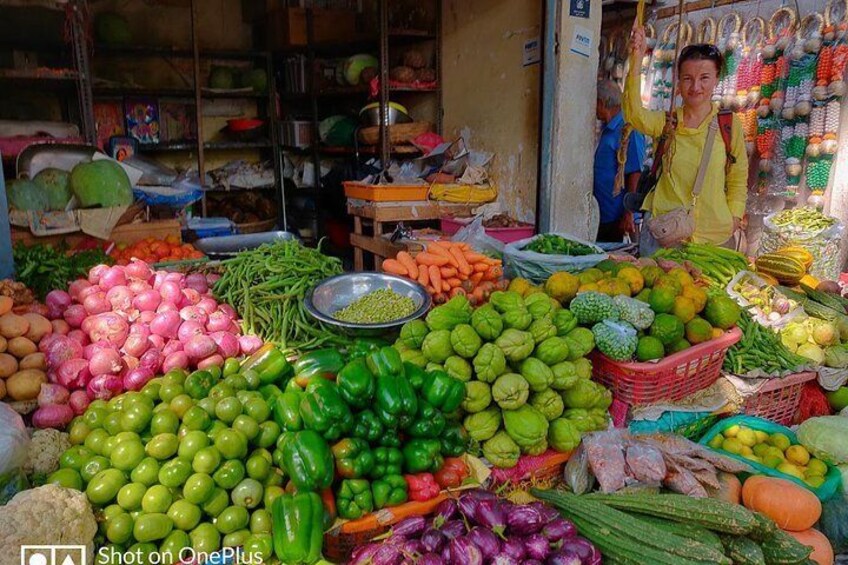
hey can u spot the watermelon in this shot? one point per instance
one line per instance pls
(222, 78)
(101, 183)
(354, 66)
(257, 79)
(55, 183)
(26, 195)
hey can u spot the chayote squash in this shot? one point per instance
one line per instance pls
(538, 448)
(584, 394)
(414, 356)
(583, 367)
(517, 318)
(489, 363)
(580, 418)
(455, 311)
(432, 367)
(501, 451)
(478, 396)
(483, 425)
(510, 391)
(487, 322)
(465, 341)
(565, 375)
(552, 351)
(542, 329)
(581, 342)
(412, 334)
(539, 305)
(563, 435)
(437, 346)
(458, 368)
(505, 300)
(548, 402)
(538, 375)
(565, 321)
(526, 425)
(516, 345)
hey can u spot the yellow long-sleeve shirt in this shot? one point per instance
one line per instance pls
(722, 195)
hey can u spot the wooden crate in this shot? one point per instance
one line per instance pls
(287, 26)
(158, 229)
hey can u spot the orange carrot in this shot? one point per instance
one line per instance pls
(457, 291)
(373, 520)
(489, 261)
(462, 276)
(435, 277)
(446, 286)
(407, 261)
(453, 282)
(448, 272)
(464, 267)
(476, 278)
(442, 252)
(480, 267)
(430, 290)
(439, 298)
(429, 259)
(423, 276)
(462, 245)
(494, 273)
(394, 267)
(473, 257)
(478, 294)
(444, 244)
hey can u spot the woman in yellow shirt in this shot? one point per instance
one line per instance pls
(720, 206)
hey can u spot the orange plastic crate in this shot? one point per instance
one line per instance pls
(386, 193)
(779, 398)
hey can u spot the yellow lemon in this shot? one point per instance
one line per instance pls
(798, 454)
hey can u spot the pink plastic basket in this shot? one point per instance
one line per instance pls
(507, 235)
(673, 378)
(778, 399)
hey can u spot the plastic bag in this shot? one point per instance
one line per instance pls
(605, 451)
(826, 437)
(14, 443)
(823, 244)
(756, 310)
(645, 463)
(576, 474)
(537, 267)
(474, 234)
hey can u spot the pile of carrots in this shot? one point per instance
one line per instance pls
(447, 269)
(154, 250)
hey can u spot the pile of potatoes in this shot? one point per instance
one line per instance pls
(23, 369)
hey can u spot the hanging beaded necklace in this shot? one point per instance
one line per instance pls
(748, 86)
(729, 42)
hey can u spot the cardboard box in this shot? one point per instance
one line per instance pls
(287, 26)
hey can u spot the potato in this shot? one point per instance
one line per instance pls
(12, 325)
(6, 304)
(34, 361)
(8, 365)
(2, 389)
(3, 344)
(26, 384)
(20, 347)
(39, 326)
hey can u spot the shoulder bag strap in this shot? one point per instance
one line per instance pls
(705, 159)
(725, 126)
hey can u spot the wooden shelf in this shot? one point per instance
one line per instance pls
(39, 74)
(333, 150)
(108, 91)
(176, 52)
(209, 146)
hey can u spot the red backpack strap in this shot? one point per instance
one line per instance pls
(725, 126)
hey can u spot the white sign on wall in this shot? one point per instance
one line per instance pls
(581, 41)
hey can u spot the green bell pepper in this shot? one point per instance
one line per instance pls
(367, 426)
(270, 364)
(415, 375)
(198, 384)
(364, 346)
(324, 411)
(395, 401)
(287, 411)
(269, 392)
(307, 460)
(386, 362)
(387, 461)
(356, 384)
(390, 439)
(443, 391)
(454, 440)
(429, 422)
(353, 458)
(297, 528)
(422, 455)
(391, 490)
(353, 499)
(321, 363)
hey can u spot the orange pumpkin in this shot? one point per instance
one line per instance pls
(730, 489)
(792, 507)
(822, 550)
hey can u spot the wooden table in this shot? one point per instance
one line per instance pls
(376, 215)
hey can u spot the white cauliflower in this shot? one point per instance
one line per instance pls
(45, 449)
(46, 515)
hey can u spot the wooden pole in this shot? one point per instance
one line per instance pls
(198, 101)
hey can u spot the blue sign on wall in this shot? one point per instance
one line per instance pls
(579, 9)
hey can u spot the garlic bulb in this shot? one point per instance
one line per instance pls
(765, 165)
(769, 52)
(764, 110)
(837, 88)
(820, 93)
(788, 113)
(829, 146)
(813, 150)
(803, 108)
(816, 200)
(776, 104)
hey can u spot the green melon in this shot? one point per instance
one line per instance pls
(101, 183)
(257, 79)
(26, 195)
(56, 185)
(223, 78)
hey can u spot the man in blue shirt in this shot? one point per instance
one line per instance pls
(615, 220)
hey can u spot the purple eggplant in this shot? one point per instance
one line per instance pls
(545, 511)
(559, 529)
(464, 552)
(486, 541)
(430, 559)
(514, 547)
(409, 527)
(385, 554)
(446, 510)
(433, 540)
(489, 515)
(412, 547)
(537, 547)
(453, 529)
(364, 554)
(564, 557)
(583, 548)
(524, 520)
(503, 559)
(531, 562)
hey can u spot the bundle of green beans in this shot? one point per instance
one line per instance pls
(760, 349)
(717, 264)
(266, 286)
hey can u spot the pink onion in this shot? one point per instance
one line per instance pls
(167, 307)
(211, 361)
(172, 347)
(79, 336)
(137, 341)
(137, 287)
(228, 311)
(76, 287)
(104, 387)
(138, 270)
(130, 362)
(212, 278)
(228, 344)
(197, 282)
(218, 321)
(190, 297)
(157, 341)
(96, 303)
(105, 361)
(60, 327)
(176, 277)
(146, 317)
(194, 313)
(44, 344)
(79, 401)
(171, 292)
(249, 344)
(92, 348)
(176, 360)
(120, 297)
(53, 394)
(113, 277)
(166, 324)
(75, 315)
(208, 305)
(72, 373)
(152, 359)
(199, 347)
(110, 327)
(57, 301)
(147, 301)
(96, 272)
(136, 378)
(188, 329)
(53, 416)
(234, 328)
(61, 349)
(88, 291)
(158, 279)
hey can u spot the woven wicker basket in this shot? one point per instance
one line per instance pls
(398, 133)
(256, 227)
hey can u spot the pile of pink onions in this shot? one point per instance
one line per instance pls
(123, 325)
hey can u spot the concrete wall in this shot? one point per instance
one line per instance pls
(489, 97)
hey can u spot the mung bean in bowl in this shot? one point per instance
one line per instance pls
(368, 303)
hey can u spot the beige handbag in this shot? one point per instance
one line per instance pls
(678, 225)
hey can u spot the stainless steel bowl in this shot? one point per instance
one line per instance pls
(231, 245)
(334, 293)
(371, 116)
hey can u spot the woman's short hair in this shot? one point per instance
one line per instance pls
(609, 93)
(701, 52)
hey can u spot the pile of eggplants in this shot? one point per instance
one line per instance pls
(478, 528)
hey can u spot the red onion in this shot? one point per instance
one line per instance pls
(194, 313)
(211, 361)
(79, 401)
(120, 297)
(171, 292)
(138, 270)
(137, 287)
(176, 360)
(112, 278)
(75, 315)
(208, 305)
(228, 344)
(218, 321)
(72, 373)
(234, 328)
(152, 359)
(105, 361)
(166, 324)
(190, 328)
(130, 362)
(52, 416)
(147, 300)
(172, 347)
(57, 301)
(158, 279)
(176, 277)
(88, 291)
(110, 327)
(61, 349)
(76, 287)
(212, 278)
(53, 394)
(79, 336)
(157, 341)
(137, 341)
(167, 307)
(92, 348)
(190, 297)
(44, 344)
(136, 378)
(104, 387)
(146, 317)
(199, 347)
(197, 282)
(249, 344)
(96, 304)
(96, 272)
(60, 327)
(228, 310)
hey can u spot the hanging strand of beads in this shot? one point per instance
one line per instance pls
(729, 41)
